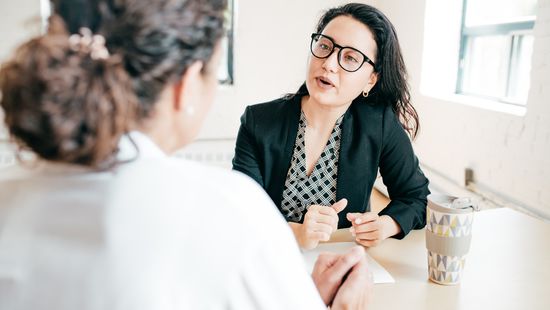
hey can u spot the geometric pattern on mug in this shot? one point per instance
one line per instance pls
(445, 269)
(450, 231)
(449, 225)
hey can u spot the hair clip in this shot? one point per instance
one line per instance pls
(86, 42)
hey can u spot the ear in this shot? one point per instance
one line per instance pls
(187, 87)
(372, 81)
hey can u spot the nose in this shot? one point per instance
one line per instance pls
(331, 62)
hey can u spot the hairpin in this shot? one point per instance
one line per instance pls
(87, 42)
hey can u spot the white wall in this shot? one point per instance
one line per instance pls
(18, 21)
(509, 154)
(271, 49)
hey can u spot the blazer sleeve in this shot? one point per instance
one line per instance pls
(401, 173)
(246, 158)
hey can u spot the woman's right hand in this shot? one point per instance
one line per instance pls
(355, 292)
(330, 271)
(319, 224)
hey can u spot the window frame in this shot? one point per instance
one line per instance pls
(229, 52)
(516, 29)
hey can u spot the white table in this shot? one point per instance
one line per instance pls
(508, 267)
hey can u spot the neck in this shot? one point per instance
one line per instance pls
(321, 116)
(160, 134)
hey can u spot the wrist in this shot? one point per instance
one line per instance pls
(297, 231)
(390, 226)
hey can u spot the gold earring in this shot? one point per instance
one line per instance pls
(365, 93)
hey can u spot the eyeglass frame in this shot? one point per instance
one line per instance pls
(365, 57)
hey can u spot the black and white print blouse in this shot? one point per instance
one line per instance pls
(319, 188)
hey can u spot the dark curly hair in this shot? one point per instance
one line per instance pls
(391, 87)
(67, 107)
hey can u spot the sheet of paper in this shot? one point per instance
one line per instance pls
(379, 274)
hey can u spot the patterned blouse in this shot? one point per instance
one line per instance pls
(319, 188)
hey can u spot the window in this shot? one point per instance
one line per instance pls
(225, 73)
(495, 49)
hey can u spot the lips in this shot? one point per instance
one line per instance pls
(324, 83)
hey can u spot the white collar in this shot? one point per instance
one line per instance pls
(135, 145)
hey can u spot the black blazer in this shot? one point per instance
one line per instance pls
(372, 139)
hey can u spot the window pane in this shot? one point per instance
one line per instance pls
(225, 70)
(486, 66)
(521, 69)
(483, 12)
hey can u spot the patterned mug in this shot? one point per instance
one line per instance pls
(448, 235)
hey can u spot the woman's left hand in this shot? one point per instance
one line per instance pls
(369, 229)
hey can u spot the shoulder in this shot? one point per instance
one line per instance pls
(216, 221)
(273, 109)
(15, 172)
(379, 114)
(202, 189)
(371, 110)
(374, 119)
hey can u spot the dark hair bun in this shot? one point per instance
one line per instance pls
(68, 106)
(64, 105)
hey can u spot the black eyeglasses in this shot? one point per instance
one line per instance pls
(349, 58)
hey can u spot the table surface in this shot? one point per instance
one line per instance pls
(508, 267)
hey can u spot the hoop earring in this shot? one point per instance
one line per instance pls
(365, 94)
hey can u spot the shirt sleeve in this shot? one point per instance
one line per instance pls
(401, 173)
(246, 158)
(274, 274)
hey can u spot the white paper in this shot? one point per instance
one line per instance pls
(379, 274)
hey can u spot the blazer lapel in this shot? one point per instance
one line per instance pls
(288, 139)
(352, 169)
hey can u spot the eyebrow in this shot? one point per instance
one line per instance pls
(343, 46)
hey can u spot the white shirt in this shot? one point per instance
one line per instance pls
(156, 233)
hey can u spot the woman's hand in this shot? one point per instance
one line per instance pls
(369, 229)
(355, 292)
(330, 270)
(319, 224)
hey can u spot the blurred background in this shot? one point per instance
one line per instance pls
(479, 74)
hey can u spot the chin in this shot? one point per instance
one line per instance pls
(325, 99)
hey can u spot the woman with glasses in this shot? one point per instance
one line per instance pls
(104, 218)
(317, 152)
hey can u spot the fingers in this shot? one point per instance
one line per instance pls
(373, 235)
(323, 219)
(319, 227)
(355, 292)
(368, 243)
(330, 269)
(345, 263)
(322, 214)
(360, 272)
(340, 205)
(365, 228)
(317, 231)
(368, 239)
(326, 259)
(323, 210)
(360, 218)
(318, 236)
(368, 233)
(322, 266)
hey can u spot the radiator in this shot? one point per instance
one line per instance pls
(211, 152)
